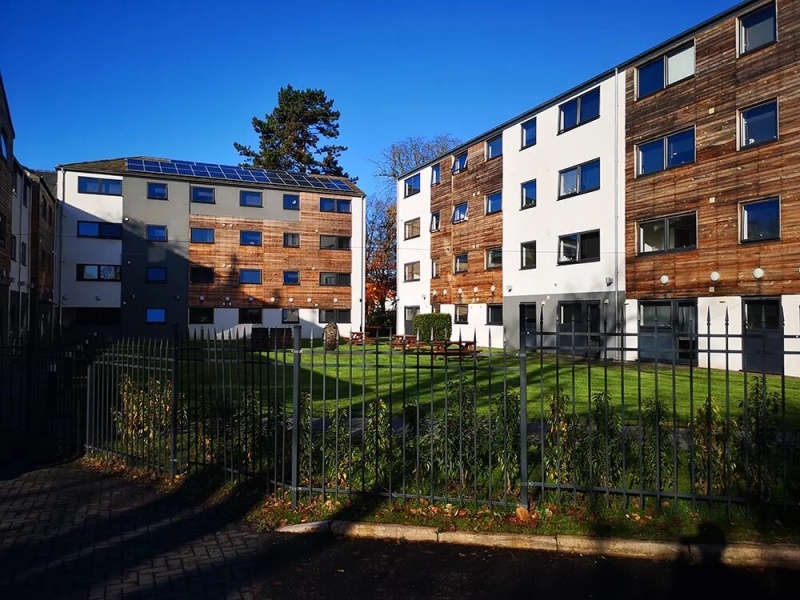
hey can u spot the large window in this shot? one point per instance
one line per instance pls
(201, 235)
(664, 153)
(411, 271)
(411, 185)
(290, 315)
(201, 316)
(250, 198)
(668, 233)
(436, 174)
(156, 315)
(250, 316)
(759, 124)
(460, 162)
(580, 110)
(411, 229)
(460, 212)
(334, 205)
(291, 202)
(250, 276)
(250, 238)
(436, 221)
(97, 229)
(334, 242)
(665, 70)
(157, 191)
(203, 195)
(528, 252)
(460, 263)
(291, 278)
(494, 314)
(156, 233)
(462, 314)
(529, 194)
(494, 258)
(98, 185)
(327, 279)
(201, 275)
(757, 29)
(579, 247)
(334, 315)
(156, 274)
(761, 220)
(494, 203)
(494, 147)
(98, 272)
(529, 133)
(579, 179)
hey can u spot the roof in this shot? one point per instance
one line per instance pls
(190, 170)
(50, 180)
(587, 84)
(4, 100)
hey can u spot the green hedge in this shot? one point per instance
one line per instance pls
(440, 323)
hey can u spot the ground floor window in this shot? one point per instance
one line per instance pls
(668, 330)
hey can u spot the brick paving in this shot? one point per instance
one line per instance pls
(66, 532)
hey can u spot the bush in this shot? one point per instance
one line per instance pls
(440, 325)
(712, 449)
(759, 453)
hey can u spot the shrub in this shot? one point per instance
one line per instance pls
(600, 444)
(561, 441)
(759, 456)
(713, 449)
(439, 325)
(656, 470)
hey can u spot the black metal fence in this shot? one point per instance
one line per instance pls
(406, 418)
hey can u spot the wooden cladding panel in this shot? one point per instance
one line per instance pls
(227, 257)
(479, 233)
(722, 176)
(42, 239)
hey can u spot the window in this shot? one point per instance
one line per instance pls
(665, 153)
(759, 124)
(156, 274)
(494, 147)
(249, 316)
(411, 185)
(665, 70)
(23, 254)
(96, 229)
(528, 252)
(13, 247)
(435, 274)
(290, 315)
(460, 212)
(156, 315)
(460, 163)
(757, 29)
(291, 240)
(494, 314)
(334, 205)
(97, 272)
(761, 220)
(436, 174)
(250, 198)
(529, 133)
(529, 194)
(201, 275)
(2, 231)
(249, 238)
(26, 193)
(494, 203)
(326, 279)
(334, 315)
(334, 242)
(460, 262)
(96, 185)
(579, 180)
(4, 144)
(579, 247)
(580, 110)
(494, 258)
(411, 228)
(462, 314)
(669, 233)
(291, 202)
(50, 215)
(411, 271)
(201, 316)
(203, 195)
(202, 235)
(157, 191)
(95, 316)
(250, 276)
(291, 278)
(436, 221)
(156, 233)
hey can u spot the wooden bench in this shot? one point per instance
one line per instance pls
(444, 349)
(404, 342)
(358, 337)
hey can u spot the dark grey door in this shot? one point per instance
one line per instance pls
(527, 323)
(763, 335)
(668, 331)
(410, 313)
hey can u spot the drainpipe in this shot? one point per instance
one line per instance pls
(363, 264)
(618, 312)
(59, 259)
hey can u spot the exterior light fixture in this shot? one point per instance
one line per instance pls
(758, 273)
(714, 276)
(664, 279)
(249, 298)
(227, 298)
(272, 299)
(202, 298)
(475, 290)
(291, 299)
(492, 289)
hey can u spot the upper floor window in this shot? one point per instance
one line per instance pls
(327, 279)
(23, 253)
(761, 220)
(156, 233)
(664, 153)
(757, 29)
(98, 272)
(334, 205)
(250, 198)
(411, 228)
(157, 190)
(411, 185)
(579, 179)
(668, 233)
(460, 212)
(460, 162)
(97, 229)
(436, 174)
(436, 221)
(250, 238)
(201, 235)
(529, 133)
(579, 247)
(156, 315)
(494, 203)
(494, 147)
(528, 252)
(460, 263)
(411, 271)
(435, 274)
(291, 202)
(291, 240)
(758, 124)
(156, 274)
(334, 242)
(201, 275)
(494, 258)
(580, 110)
(203, 195)
(98, 185)
(666, 70)
(291, 278)
(4, 144)
(250, 276)
(529, 194)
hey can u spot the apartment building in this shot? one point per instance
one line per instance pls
(149, 243)
(8, 173)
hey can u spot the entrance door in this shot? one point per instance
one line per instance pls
(410, 313)
(668, 331)
(527, 322)
(763, 336)
(579, 328)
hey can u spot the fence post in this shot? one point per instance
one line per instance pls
(173, 453)
(523, 410)
(296, 330)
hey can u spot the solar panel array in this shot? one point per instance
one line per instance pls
(241, 174)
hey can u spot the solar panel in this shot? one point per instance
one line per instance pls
(231, 173)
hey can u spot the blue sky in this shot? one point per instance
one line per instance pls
(94, 79)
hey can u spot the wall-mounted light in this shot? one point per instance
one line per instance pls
(202, 298)
(227, 298)
(308, 299)
(249, 298)
(335, 300)
(133, 295)
(509, 288)
(126, 219)
(714, 276)
(444, 292)
(291, 299)
(609, 281)
(664, 279)
(433, 293)
(272, 299)
(460, 291)
(475, 290)
(177, 296)
(98, 298)
(758, 273)
(492, 288)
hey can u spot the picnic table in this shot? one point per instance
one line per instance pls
(404, 341)
(359, 337)
(447, 348)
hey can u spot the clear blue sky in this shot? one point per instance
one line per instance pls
(94, 79)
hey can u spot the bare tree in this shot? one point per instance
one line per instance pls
(408, 154)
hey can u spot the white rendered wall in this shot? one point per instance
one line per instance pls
(357, 274)
(476, 328)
